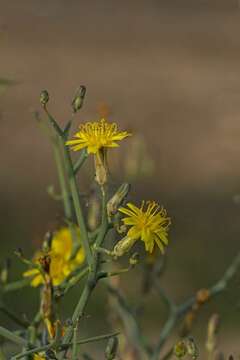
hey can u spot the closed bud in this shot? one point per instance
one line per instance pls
(213, 327)
(111, 348)
(78, 99)
(202, 296)
(19, 253)
(5, 271)
(134, 259)
(180, 349)
(44, 98)
(46, 247)
(192, 348)
(68, 322)
(123, 246)
(117, 199)
(101, 170)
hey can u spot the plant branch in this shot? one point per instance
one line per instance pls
(130, 322)
(16, 285)
(176, 313)
(12, 337)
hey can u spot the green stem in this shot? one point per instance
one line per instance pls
(66, 195)
(57, 151)
(76, 202)
(73, 281)
(90, 340)
(62, 180)
(92, 277)
(63, 347)
(134, 333)
(12, 337)
(53, 122)
(177, 312)
(106, 274)
(13, 316)
(74, 345)
(80, 161)
(67, 163)
(16, 285)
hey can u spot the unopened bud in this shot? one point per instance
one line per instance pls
(68, 322)
(180, 349)
(78, 99)
(101, 167)
(5, 271)
(19, 253)
(123, 246)
(45, 261)
(47, 243)
(44, 97)
(111, 348)
(134, 259)
(117, 199)
(202, 296)
(192, 348)
(213, 327)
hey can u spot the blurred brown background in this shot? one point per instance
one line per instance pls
(166, 69)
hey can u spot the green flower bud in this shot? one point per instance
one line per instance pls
(44, 97)
(46, 246)
(5, 271)
(192, 349)
(213, 327)
(180, 349)
(134, 259)
(111, 348)
(123, 246)
(117, 199)
(77, 102)
(101, 169)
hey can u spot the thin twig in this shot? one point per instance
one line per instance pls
(12, 337)
(177, 313)
(130, 322)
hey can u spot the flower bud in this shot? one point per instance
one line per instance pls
(5, 271)
(117, 199)
(202, 296)
(192, 349)
(46, 246)
(77, 102)
(111, 348)
(213, 327)
(44, 97)
(101, 170)
(123, 246)
(180, 349)
(134, 259)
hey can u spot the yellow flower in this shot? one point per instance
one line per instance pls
(149, 225)
(61, 264)
(38, 357)
(97, 135)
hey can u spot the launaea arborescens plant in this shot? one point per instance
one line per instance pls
(78, 256)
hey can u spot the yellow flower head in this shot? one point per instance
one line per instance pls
(148, 223)
(97, 135)
(38, 357)
(61, 264)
